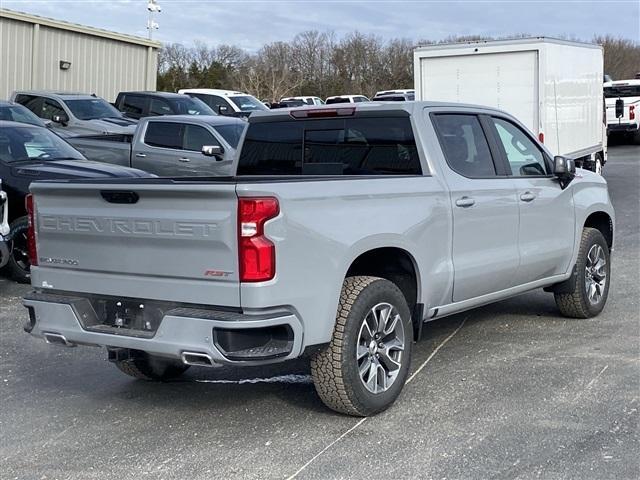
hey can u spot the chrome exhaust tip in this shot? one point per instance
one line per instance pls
(57, 339)
(197, 359)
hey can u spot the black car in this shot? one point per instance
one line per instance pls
(150, 104)
(29, 153)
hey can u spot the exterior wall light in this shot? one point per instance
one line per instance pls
(64, 65)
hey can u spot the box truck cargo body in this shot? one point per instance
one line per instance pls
(553, 87)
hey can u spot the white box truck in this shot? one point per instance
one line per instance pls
(554, 87)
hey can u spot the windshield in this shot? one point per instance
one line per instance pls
(191, 106)
(18, 113)
(622, 91)
(92, 108)
(22, 143)
(231, 133)
(247, 103)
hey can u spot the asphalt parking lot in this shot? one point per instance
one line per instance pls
(511, 390)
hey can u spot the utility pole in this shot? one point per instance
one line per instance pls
(153, 8)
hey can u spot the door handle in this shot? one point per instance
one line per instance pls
(465, 202)
(527, 197)
(184, 159)
(141, 155)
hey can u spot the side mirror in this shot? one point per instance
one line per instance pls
(48, 123)
(565, 169)
(619, 108)
(212, 150)
(61, 119)
(222, 110)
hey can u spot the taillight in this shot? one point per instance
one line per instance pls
(541, 137)
(31, 231)
(632, 112)
(256, 253)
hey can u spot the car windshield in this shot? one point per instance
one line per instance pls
(18, 144)
(617, 91)
(337, 100)
(247, 103)
(18, 113)
(92, 108)
(231, 133)
(192, 106)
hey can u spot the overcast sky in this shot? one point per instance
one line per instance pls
(250, 24)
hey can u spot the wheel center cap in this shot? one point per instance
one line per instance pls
(373, 347)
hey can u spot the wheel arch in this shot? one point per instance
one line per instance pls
(603, 222)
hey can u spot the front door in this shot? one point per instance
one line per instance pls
(547, 217)
(485, 210)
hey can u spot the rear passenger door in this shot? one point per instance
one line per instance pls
(174, 149)
(547, 216)
(485, 211)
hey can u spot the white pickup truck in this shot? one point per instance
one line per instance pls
(623, 108)
(343, 230)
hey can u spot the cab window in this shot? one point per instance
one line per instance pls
(464, 145)
(524, 157)
(195, 137)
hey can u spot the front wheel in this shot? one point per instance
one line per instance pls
(363, 369)
(593, 277)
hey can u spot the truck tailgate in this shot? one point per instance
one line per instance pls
(165, 241)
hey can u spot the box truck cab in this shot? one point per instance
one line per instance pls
(552, 86)
(622, 99)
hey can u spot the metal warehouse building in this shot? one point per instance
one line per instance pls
(45, 54)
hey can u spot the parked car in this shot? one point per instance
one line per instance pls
(4, 228)
(622, 99)
(29, 153)
(14, 112)
(75, 113)
(306, 100)
(343, 229)
(227, 102)
(178, 145)
(152, 104)
(346, 99)
(394, 97)
(553, 86)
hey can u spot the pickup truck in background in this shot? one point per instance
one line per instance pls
(622, 99)
(152, 104)
(344, 228)
(75, 113)
(175, 145)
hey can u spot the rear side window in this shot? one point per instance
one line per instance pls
(464, 145)
(164, 134)
(32, 102)
(355, 146)
(133, 105)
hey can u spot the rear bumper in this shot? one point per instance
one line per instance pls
(56, 319)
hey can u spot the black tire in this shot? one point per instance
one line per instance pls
(151, 367)
(18, 266)
(335, 368)
(577, 304)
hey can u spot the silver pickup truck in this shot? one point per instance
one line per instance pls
(342, 231)
(172, 145)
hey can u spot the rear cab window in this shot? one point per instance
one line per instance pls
(464, 145)
(336, 146)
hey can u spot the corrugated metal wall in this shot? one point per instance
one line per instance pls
(98, 65)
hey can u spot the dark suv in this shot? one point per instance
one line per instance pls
(151, 104)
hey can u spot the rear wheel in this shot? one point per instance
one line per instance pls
(363, 369)
(18, 265)
(593, 276)
(151, 367)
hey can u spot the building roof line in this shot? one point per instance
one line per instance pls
(74, 27)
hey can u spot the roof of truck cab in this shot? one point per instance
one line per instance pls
(212, 120)
(153, 94)
(622, 83)
(213, 91)
(64, 95)
(369, 107)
